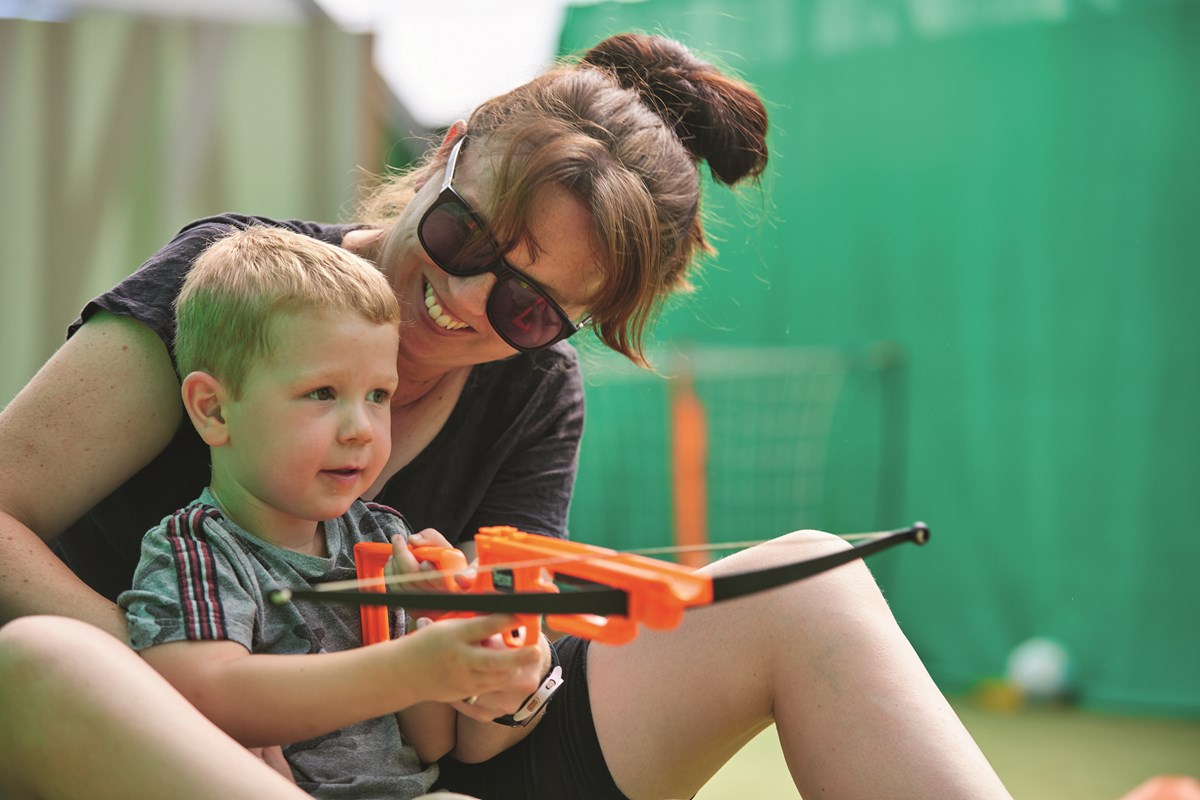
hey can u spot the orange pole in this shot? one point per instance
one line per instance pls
(689, 457)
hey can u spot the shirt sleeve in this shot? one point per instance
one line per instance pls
(187, 586)
(148, 295)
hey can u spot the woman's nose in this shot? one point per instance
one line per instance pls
(470, 294)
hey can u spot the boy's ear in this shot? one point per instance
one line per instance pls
(203, 398)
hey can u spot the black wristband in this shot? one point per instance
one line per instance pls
(532, 705)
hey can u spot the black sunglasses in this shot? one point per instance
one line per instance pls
(456, 239)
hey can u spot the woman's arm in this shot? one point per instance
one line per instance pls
(263, 699)
(98, 411)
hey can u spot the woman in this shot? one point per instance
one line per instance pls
(586, 182)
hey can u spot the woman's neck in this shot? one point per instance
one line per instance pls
(414, 387)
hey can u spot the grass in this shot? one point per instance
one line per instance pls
(1048, 753)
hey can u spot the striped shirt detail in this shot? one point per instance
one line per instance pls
(195, 567)
(380, 507)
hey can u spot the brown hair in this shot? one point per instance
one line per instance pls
(624, 128)
(242, 281)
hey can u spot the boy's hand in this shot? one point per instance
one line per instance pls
(403, 562)
(504, 701)
(460, 658)
(523, 680)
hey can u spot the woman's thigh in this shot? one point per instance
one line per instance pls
(823, 658)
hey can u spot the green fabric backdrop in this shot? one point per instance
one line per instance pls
(1014, 200)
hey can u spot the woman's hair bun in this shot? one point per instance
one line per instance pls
(719, 119)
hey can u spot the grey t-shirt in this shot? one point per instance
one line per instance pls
(201, 577)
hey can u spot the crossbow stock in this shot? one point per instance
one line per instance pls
(581, 589)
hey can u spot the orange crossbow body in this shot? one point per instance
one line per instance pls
(657, 591)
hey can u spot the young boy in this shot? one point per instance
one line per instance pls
(287, 350)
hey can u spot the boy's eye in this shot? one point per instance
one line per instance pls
(379, 396)
(324, 393)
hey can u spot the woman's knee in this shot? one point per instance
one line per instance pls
(41, 637)
(24, 647)
(28, 659)
(848, 586)
(785, 549)
(812, 542)
(43, 653)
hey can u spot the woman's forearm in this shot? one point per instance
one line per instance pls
(34, 581)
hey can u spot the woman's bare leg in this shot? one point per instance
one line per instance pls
(85, 717)
(857, 714)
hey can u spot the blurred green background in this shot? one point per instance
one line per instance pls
(963, 292)
(1009, 195)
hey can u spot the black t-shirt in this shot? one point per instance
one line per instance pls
(507, 454)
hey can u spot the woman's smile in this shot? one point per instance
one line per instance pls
(441, 316)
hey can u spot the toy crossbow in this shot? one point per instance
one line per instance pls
(589, 591)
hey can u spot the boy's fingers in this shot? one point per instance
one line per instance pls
(506, 661)
(489, 625)
(478, 630)
(429, 537)
(402, 561)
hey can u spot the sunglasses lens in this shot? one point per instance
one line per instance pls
(522, 315)
(455, 240)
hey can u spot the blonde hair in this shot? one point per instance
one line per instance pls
(624, 128)
(242, 281)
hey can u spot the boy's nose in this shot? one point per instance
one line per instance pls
(356, 424)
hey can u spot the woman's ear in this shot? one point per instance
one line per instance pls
(457, 130)
(203, 398)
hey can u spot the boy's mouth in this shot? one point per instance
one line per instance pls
(345, 472)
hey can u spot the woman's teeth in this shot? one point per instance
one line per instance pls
(438, 315)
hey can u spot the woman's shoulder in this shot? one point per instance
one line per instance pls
(190, 241)
(148, 294)
(209, 228)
